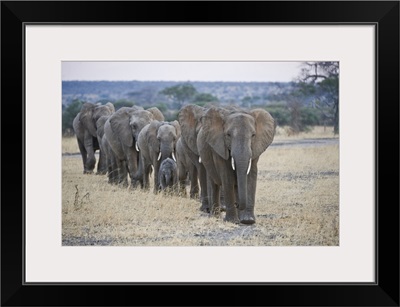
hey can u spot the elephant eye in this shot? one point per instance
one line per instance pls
(253, 135)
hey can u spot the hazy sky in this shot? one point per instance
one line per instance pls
(181, 71)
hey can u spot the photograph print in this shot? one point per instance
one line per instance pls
(200, 153)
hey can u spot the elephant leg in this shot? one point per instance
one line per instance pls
(214, 191)
(156, 179)
(102, 165)
(182, 182)
(222, 200)
(83, 152)
(194, 182)
(122, 173)
(133, 168)
(247, 216)
(203, 189)
(228, 188)
(146, 174)
(91, 159)
(113, 170)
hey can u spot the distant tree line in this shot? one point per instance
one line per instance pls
(313, 99)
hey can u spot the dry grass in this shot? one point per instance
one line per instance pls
(317, 132)
(297, 204)
(69, 145)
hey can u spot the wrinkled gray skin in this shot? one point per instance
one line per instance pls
(122, 130)
(168, 176)
(105, 147)
(157, 142)
(230, 143)
(186, 169)
(84, 125)
(190, 121)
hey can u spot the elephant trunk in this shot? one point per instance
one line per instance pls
(166, 151)
(242, 166)
(168, 181)
(241, 170)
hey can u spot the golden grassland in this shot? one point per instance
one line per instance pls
(297, 204)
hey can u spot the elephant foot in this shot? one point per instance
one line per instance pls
(231, 219)
(205, 207)
(101, 173)
(216, 211)
(112, 181)
(246, 217)
(134, 184)
(232, 216)
(87, 171)
(123, 184)
(194, 194)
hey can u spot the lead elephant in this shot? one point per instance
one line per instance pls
(157, 142)
(84, 125)
(230, 143)
(122, 131)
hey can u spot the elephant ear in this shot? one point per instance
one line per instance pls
(151, 135)
(100, 125)
(86, 118)
(119, 122)
(213, 129)
(177, 126)
(156, 114)
(190, 122)
(265, 131)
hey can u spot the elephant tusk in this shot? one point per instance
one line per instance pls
(173, 156)
(199, 159)
(233, 163)
(159, 156)
(137, 148)
(248, 170)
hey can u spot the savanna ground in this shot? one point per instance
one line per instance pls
(297, 203)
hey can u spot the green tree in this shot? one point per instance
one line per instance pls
(321, 80)
(123, 103)
(280, 113)
(181, 93)
(202, 99)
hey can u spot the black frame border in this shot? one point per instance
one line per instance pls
(383, 14)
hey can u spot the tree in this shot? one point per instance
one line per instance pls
(321, 80)
(181, 93)
(204, 98)
(123, 103)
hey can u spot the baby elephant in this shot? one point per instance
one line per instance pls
(168, 175)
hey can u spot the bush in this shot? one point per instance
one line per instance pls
(280, 113)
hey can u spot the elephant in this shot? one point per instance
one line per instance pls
(186, 168)
(105, 148)
(84, 125)
(190, 121)
(230, 143)
(168, 175)
(122, 130)
(157, 142)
